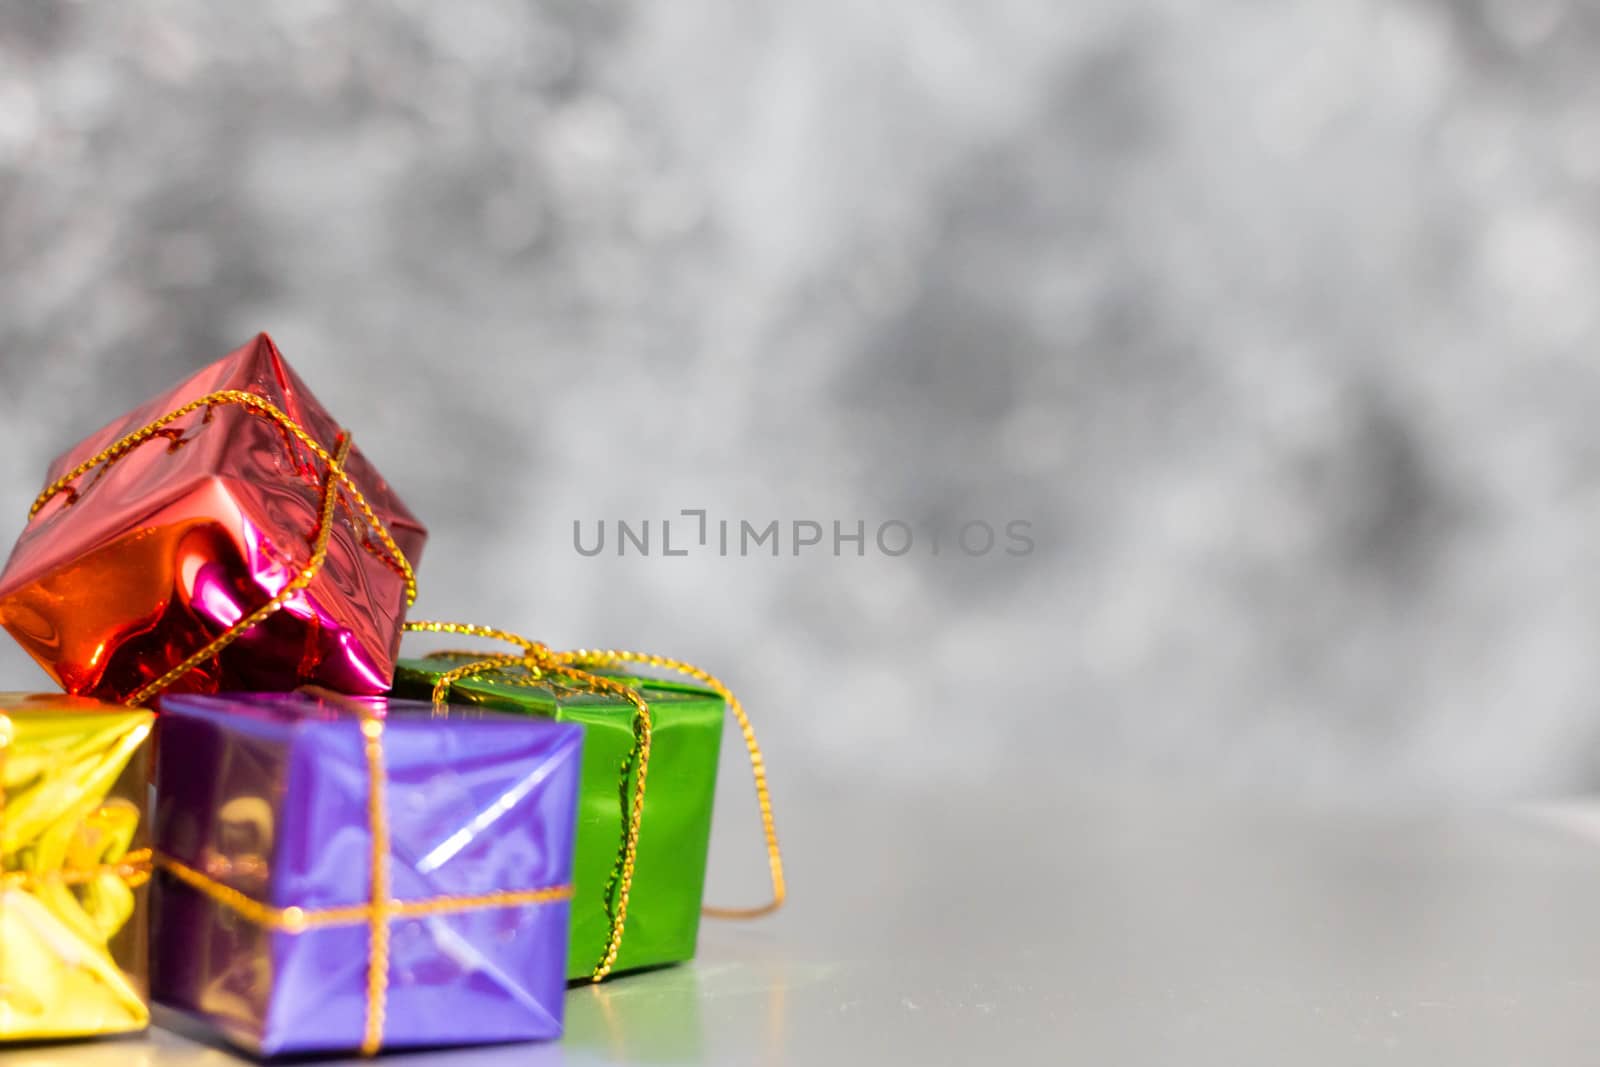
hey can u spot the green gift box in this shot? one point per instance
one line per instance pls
(663, 916)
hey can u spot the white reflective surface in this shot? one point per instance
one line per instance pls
(1120, 927)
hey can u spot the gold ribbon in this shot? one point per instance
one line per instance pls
(579, 666)
(335, 479)
(134, 869)
(380, 909)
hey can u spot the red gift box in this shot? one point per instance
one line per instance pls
(225, 535)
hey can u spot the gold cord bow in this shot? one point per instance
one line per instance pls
(578, 666)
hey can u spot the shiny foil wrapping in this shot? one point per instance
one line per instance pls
(476, 802)
(74, 868)
(675, 833)
(148, 559)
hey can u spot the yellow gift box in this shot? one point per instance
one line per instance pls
(74, 863)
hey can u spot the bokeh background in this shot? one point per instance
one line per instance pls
(1277, 320)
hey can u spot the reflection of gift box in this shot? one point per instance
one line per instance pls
(663, 915)
(658, 1022)
(354, 872)
(74, 861)
(140, 555)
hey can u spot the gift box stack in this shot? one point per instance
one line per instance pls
(246, 807)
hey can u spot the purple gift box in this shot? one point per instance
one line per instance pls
(340, 873)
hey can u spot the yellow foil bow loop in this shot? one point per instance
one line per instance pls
(75, 871)
(335, 479)
(578, 666)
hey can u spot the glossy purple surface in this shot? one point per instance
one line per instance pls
(268, 794)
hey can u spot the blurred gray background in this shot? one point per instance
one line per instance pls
(1277, 320)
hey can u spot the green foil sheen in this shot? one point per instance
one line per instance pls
(669, 876)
